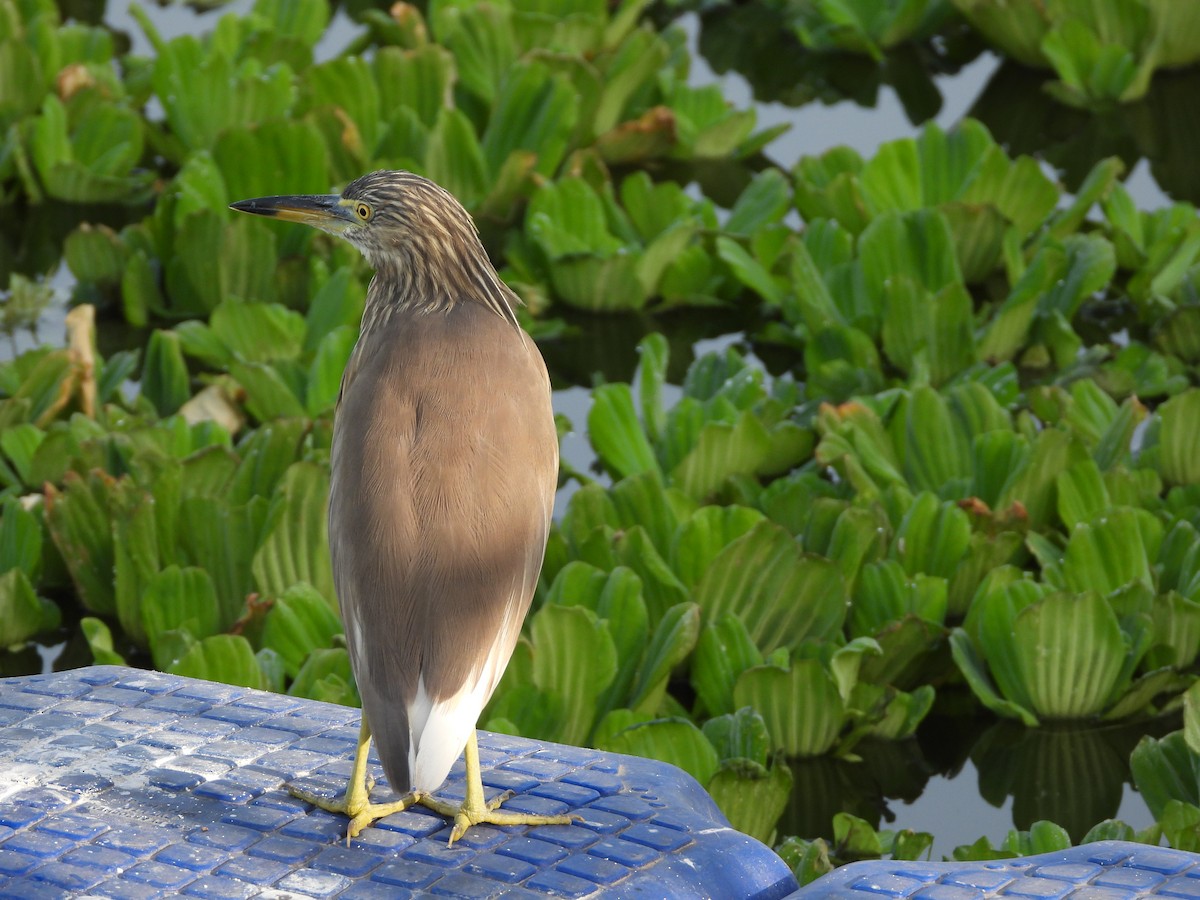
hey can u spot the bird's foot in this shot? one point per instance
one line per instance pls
(359, 808)
(466, 814)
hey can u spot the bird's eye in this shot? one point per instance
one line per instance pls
(363, 211)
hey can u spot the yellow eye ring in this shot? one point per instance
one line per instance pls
(363, 211)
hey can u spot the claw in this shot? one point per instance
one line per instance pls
(475, 811)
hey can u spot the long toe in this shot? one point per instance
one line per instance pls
(361, 812)
(464, 815)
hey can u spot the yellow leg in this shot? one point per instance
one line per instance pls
(474, 811)
(356, 802)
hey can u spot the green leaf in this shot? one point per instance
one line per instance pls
(932, 537)
(298, 623)
(752, 796)
(574, 658)
(975, 671)
(268, 395)
(699, 539)
(326, 676)
(99, 640)
(724, 649)
(23, 614)
(741, 735)
(1179, 438)
(20, 538)
(165, 381)
(179, 599)
(135, 550)
(916, 245)
(221, 539)
(676, 741)
(764, 201)
(723, 451)
(802, 706)
(227, 658)
(783, 595)
(78, 520)
(1112, 551)
(325, 373)
(616, 433)
(672, 642)
(258, 332)
(1164, 772)
(1069, 651)
(296, 546)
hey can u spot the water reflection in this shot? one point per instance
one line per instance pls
(1075, 776)
(1025, 119)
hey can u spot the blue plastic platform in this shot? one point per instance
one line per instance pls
(1107, 870)
(123, 783)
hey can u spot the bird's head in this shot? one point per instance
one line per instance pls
(422, 244)
(389, 215)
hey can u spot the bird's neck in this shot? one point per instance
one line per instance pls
(409, 284)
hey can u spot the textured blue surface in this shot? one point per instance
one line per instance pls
(123, 783)
(1108, 870)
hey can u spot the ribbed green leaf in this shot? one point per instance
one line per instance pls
(616, 433)
(575, 659)
(932, 537)
(267, 453)
(135, 552)
(326, 676)
(535, 112)
(1112, 551)
(78, 520)
(258, 332)
(1176, 631)
(653, 351)
(616, 597)
(222, 539)
(23, 614)
(454, 157)
(296, 547)
(179, 599)
(740, 735)
(20, 538)
(676, 741)
(885, 593)
(801, 706)
(325, 372)
(975, 671)
(165, 380)
(752, 796)
(1070, 651)
(1164, 771)
(227, 658)
(256, 159)
(1179, 438)
(721, 452)
(268, 395)
(99, 640)
(699, 539)
(783, 595)
(724, 649)
(1082, 495)
(672, 642)
(298, 623)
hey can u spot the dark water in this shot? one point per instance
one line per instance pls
(966, 776)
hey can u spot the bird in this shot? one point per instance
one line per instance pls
(443, 470)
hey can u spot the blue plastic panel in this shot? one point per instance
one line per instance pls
(1108, 870)
(123, 783)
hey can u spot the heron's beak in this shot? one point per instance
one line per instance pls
(324, 211)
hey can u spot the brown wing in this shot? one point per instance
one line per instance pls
(445, 461)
